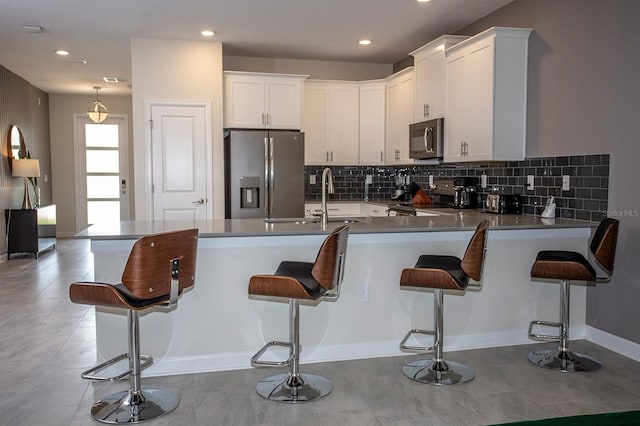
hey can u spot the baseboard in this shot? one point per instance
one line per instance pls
(311, 355)
(617, 344)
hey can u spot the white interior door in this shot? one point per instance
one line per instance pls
(102, 170)
(179, 166)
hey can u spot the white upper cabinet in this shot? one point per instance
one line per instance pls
(330, 121)
(486, 95)
(429, 65)
(256, 101)
(399, 116)
(372, 122)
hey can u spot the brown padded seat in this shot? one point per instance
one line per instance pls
(146, 278)
(448, 272)
(562, 265)
(301, 280)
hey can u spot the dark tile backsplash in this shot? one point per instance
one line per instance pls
(586, 199)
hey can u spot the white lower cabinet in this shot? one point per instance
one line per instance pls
(338, 209)
(377, 210)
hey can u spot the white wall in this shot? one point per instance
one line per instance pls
(173, 70)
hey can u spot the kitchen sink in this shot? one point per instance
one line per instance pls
(305, 220)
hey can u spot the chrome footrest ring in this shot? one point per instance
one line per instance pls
(255, 360)
(407, 348)
(145, 361)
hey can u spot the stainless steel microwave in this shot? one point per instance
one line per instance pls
(426, 139)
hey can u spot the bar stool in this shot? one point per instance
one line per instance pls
(567, 266)
(159, 268)
(296, 281)
(442, 273)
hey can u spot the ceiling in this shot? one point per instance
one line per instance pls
(98, 32)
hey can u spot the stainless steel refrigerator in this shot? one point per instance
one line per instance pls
(264, 173)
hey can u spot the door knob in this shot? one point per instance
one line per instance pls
(200, 201)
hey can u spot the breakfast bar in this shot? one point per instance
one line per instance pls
(218, 327)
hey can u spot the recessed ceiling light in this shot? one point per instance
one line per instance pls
(36, 29)
(207, 33)
(62, 52)
(114, 79)
(365, 42)
(422, 1)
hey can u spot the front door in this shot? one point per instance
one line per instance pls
(179, 167)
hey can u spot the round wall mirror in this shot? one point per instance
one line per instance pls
(16, 147)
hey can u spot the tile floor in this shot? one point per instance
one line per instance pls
(46, 341)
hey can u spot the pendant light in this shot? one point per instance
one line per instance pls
(97, 112)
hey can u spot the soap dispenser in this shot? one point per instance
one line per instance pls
(550, 209)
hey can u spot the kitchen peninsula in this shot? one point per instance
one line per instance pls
(217, 326)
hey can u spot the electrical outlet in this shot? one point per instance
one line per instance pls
(368, 179)
(566, 179)
(312, 179)
(483, 181)
(364, 293)
(430, 180)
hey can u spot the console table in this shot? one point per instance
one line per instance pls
(30, 230)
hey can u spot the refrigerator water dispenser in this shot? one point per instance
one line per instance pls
(249, 192)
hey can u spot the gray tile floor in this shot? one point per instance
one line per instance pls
(46, 342)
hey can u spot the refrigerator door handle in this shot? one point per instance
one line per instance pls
(271, 176)
(266, 177)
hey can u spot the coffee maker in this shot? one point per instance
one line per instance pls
(465, 192)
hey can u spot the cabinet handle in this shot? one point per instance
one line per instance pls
(332, 156)
(262, 119)
(427, 110)
(268, 117)
(327, 156)
(381, 158)
(397, 154)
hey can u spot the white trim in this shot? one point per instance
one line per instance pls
(315, 354)
(617, 344)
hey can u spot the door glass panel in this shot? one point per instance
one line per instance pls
(101, 135)
(103, 187)
(103, 161)
(103, 211)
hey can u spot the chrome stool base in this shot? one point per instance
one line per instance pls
(309, 387)
(566, 361)
(438, 373)
(125, 407)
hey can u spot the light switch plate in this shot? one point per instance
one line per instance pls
(430, 180)
(566, 179)
(368, 179)
(483, 181)
(312, 179)
(530, 185)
